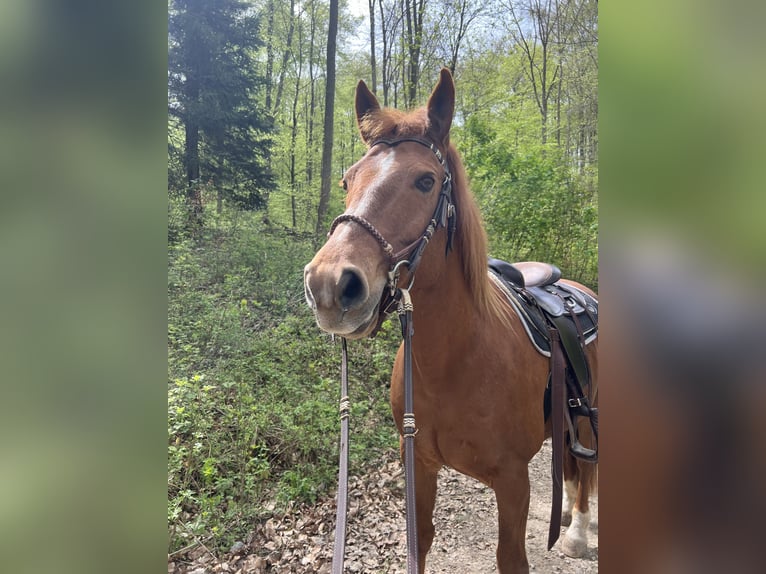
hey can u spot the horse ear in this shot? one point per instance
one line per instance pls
(366, 103)
(441, 106)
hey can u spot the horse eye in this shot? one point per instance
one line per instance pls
(344, 185)
(425, 183)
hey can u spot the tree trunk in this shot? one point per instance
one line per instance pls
(385, 63)
(411, 88)
(414, 10)
(329, 117)
(294, 126)
(269, 54)
(558, 108)
(458, 40)
(293, 138)
(373, 63)
(193, 189)
(312, 101)
(285, 56)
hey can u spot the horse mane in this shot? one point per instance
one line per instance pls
(470, 240)
(471, 244)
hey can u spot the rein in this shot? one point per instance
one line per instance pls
(342, 504)
(444, 216)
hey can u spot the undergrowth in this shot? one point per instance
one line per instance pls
(253, 384)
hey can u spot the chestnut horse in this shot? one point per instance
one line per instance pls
(478, 382)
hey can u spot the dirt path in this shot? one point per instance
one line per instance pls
(465, 520)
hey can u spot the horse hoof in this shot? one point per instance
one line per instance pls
(574, 547)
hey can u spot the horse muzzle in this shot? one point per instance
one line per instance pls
(342, 299)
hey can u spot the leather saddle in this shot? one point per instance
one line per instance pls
(556, 315)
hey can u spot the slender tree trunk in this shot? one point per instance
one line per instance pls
(294, 126)
(193, 189)
(293, 138)
(410, 88)
(385, 63)
(544, 87)
(312, 101)
(468, 12)
(269, 54)
(456, 49)
(414, 11)
(373, 63)
(558, 108)
(286, 55)
(329, 117)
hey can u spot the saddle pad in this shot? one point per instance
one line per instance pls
(532, 304)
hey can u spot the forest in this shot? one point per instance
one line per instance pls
(261, 128)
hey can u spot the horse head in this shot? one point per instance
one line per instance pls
(392, 194)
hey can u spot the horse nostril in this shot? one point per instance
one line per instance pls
(352, 290)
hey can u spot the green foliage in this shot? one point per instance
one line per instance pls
(253, 384)
(536, 206)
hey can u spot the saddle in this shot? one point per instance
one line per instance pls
(560, 321)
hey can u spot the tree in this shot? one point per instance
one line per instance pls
(212, 89)
(329, 116)
(373, 63)
(414, 10)
(534, 22)
(458, 17)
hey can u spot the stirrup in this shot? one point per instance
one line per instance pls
(579, 451)
(575, 446)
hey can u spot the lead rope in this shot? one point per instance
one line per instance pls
(404, 310)
(342, 503)
(409, 431)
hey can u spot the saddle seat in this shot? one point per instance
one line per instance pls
(526, 273)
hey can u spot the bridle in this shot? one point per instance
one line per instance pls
(444, 215)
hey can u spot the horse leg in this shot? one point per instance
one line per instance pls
(425, 495)
(579, 480)
(571, 480)
(425, 499)
(570, 494)
(512, 494)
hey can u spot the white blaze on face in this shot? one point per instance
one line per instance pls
(367, 203)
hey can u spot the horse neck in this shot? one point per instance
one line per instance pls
(445, 316)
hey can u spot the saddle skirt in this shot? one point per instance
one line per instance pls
(537, 305)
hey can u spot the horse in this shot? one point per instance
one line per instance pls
(478, 383)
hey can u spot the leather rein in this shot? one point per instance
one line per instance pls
(444, 216)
